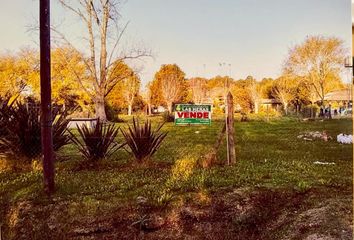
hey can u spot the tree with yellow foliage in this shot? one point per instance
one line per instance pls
(241, 93)
(170, 85)
(19, 72)
(317, 62)
(122, 94)
(284, 90)
(19, 75)
(65, 89)
(198, 89)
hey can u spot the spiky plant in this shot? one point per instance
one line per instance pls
(61, 136)
(142, 140)
(97, 142)
(23, 131)
(4, 106)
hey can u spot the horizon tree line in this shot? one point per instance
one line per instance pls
(311, 70)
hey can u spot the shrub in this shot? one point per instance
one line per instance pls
(112, 113)
(98, 142)
(168, 117)
(142, 140)
(310, 111)
(4, 106)
(22, 126)
(61, 137)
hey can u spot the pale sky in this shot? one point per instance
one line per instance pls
(253, 36)
(352, 11)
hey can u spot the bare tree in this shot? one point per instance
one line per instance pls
(171, 89)
(100, 18)
(130, 90)
(198, 88)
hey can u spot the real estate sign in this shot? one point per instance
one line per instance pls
(192, 114)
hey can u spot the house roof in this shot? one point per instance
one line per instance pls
(270, 101)
(339, 95)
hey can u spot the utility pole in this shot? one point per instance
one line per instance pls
(46, 105)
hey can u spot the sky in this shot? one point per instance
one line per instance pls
(252, 37)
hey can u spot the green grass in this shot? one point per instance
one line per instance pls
(269, 155)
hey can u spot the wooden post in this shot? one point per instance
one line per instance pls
(46, 105)
(230, 131)
(267, 112)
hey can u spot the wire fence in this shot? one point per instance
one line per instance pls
(21, 137)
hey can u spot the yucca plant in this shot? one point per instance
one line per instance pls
(23, 129)
(98, 142)
(142, 140)
(22, 126)
(61, 136)
(4, 106)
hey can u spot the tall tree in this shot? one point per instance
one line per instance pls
(266, 86)
(19, 75)
(100, 19)
(198, 89)
(147, 96)
(254, 90)
(19, 72)
(66, 90)
(156, 93)
(241, 95)
(285, 90)
(124, 92)
(317, 62)
(173, 85)
(130, 90)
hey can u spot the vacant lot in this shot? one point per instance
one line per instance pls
(275, 191)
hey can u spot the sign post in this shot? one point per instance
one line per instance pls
(188, 114)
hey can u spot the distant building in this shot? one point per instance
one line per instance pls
(271, 103)
(340, 99)
(344, 95)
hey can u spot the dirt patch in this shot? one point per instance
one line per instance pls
(231, 214)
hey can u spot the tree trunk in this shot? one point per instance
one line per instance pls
(99, 108)
(129, 110)
(256, 107)
(169, 107)
(149, 109)
(286, 109)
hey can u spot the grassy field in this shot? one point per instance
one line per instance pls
(272, 190)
